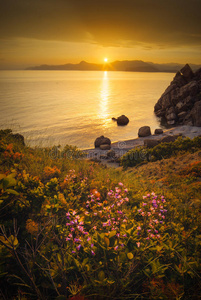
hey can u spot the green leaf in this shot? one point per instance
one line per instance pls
(107, 241)
(130, 255)
(12, 192)
(112, 233)
(101, 275)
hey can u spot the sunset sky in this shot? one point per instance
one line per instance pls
(34, 32)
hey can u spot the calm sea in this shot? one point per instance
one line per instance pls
(75, 107)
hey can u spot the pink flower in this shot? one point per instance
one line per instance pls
(115, 248)
(78, 247)
(92, 252)
(139, 228)
(138, 244)
(120, 183)
(89, 238)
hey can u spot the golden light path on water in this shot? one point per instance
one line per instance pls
(104, 100)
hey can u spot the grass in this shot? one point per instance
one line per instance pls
(72, 228)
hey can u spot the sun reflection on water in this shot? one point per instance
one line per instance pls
(104, 99)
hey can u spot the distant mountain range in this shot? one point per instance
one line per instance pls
(125, 65)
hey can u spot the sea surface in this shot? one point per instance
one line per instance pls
(75, 107)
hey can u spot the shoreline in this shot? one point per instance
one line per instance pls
(122, 147)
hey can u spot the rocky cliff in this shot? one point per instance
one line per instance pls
(181, 101)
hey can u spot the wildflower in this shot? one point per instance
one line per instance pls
(92, 252)
(78, 247)
(124, 221)
(72, 229)
(92, 245)
(138, 244)
(120, 183)
(77, 240)
(95, 227)
(139, 228)
(73, 252)
(122, 245)
(144, 204)
(89, 238)
(115, 248)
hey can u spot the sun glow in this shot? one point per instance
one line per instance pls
(105, 59)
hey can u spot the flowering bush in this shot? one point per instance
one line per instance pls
(75, 230)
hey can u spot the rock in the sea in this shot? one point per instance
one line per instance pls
(122, 120)
(158, 131)
(178, 104)
(102, 141)
(114, 119)
(144, 131)
(150, 143)
(105, 147)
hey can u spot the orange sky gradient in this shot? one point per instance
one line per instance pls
(34, 32)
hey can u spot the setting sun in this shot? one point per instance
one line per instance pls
(105, 59)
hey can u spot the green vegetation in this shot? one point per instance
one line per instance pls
(74, 229)
(163, 150)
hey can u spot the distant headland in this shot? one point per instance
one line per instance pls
(125, 65)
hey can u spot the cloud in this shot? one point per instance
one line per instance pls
(168, 23)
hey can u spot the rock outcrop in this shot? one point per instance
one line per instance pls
(181, 101)
(158, 131)
(122, 120)
(144, 131)
(102, 141)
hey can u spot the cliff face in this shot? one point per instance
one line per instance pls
(181, 101)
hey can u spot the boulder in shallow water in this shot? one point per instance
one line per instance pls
(144, 131)
(102, 141)
(122, 120)
(158, 131)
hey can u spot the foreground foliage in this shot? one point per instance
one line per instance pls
(163, 150)
(72, 228)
